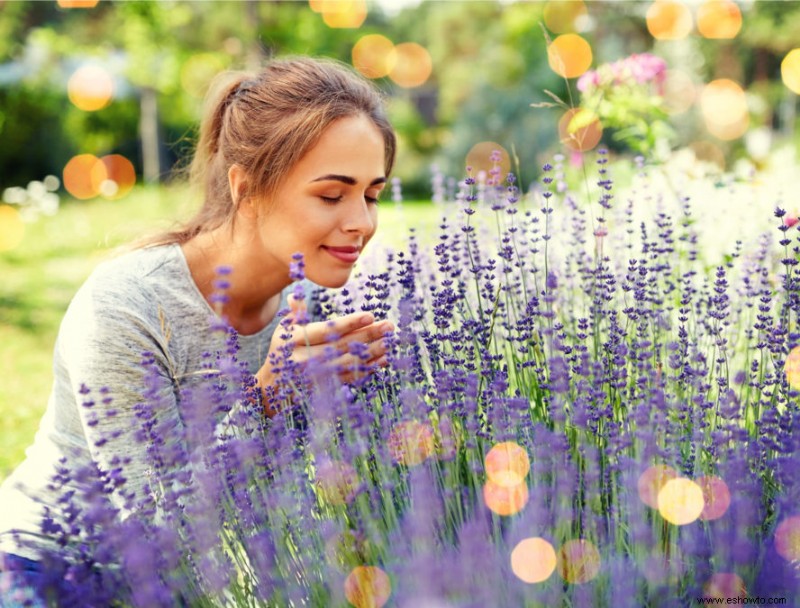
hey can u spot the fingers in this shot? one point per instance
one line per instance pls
(324, 332)
(297, 308)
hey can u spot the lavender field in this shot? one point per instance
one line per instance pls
(590, 402)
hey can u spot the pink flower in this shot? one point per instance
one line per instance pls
(588, 80)
(790, 220)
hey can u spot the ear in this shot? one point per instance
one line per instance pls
(237, 182)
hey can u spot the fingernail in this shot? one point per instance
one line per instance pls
(365, 319)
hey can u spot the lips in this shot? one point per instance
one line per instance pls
(344, 254)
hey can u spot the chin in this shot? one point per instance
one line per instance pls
(330, 282)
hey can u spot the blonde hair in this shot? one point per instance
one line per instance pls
(265, 123)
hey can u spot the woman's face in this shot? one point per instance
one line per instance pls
(326, 207)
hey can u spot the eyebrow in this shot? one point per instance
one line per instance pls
(346, 179)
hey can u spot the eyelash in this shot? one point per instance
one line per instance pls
(332, 201)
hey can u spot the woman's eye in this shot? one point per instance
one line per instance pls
(331, 199)
(371, 199)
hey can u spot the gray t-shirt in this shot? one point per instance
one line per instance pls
(142, 301)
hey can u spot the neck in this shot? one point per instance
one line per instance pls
(254, 293)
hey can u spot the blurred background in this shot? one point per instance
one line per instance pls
(99, 101)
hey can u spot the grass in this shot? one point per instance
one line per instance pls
(57, 254)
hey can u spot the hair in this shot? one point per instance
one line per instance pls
(265, 123)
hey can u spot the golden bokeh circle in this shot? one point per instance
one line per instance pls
(719, 19)
(374, 56)
(411, 65)
(669, 20)
(367, 587)
(505, 500)
(80, 177)
(507, 464)
(533, 560)
(790, 70)
(792, 368)
(411, 442)
(90, 88)
(680, 501)
(724, 585)
(113, 176)
(343, 14)
(479, 159)
(716, 496)
(651, 481)
(12, 228)
(787, 538)
(77, 3)
(578, 561)
(569, 55)
(579, 129)
(724, 108)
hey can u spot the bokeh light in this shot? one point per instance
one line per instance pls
(716, 496)
(724, 108)
(533, 560)
(77, 3)
(569, 55)
(479, 158)
(680, 501)
(411, 65)
(505, 500)
(90, 88)
(719, 19)
(787, 538)
(374, 56)
(790, 70)
(578, 561)
(337, 482)
(367, 587)
(113, 176)
(342, 13)
(724, 585)
(669, 20)
(12, 228)
(198, 71)
(411, 442)
(560, 16)
(77, 177)
(651, 481)
(680, 91)
(507, 464)
(792, 368)
(579, 129)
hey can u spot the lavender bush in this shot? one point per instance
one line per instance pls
(578, 412)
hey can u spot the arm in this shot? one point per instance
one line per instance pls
(100, 348)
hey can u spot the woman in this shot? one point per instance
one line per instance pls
(290, 160)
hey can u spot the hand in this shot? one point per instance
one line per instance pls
(348, 344)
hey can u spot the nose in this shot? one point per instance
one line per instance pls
(361, 217)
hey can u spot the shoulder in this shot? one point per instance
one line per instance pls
(133, 276)
(123, 288)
